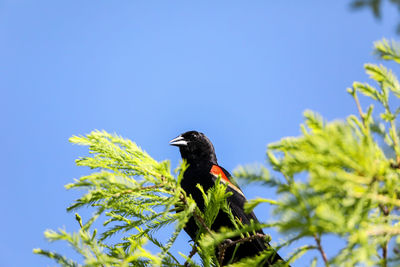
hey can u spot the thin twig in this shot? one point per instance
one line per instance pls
(202, 222)
(385, 210)
(384, 254)
(321, 250)
(362, 115)
(228, 243)
(395, 136)
(79, 220)
(395, 141)
(129, 191)
(192, 253)
(197, 216)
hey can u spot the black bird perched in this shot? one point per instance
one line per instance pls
(203, 169)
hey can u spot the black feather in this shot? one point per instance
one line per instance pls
(199, 152)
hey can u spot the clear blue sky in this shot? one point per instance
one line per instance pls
(240, 71)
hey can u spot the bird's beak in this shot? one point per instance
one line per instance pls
(179, 141)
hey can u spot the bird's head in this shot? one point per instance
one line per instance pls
(195, 148)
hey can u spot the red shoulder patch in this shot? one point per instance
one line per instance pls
(218, 171)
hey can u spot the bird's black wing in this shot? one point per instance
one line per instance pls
(236, 203)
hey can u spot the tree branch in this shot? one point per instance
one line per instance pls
(385, 210)
(384, 254)
(197, 216)
(192, 253)
(228, 243)
(150, 187)
(362, 115)
(321, 250)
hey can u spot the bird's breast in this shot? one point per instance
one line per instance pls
(194, 176)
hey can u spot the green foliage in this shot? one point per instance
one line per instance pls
(338, 179)
(388, 51)
(214, 200)
(376, 7)
(135, 194)
(135, 197)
